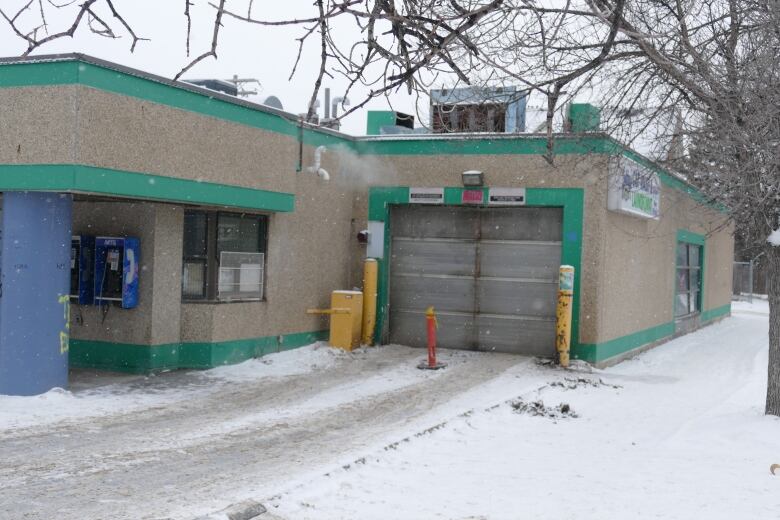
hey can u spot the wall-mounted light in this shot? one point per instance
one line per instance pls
(472, 178)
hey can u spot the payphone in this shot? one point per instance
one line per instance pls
(82, 266)
(116, 271)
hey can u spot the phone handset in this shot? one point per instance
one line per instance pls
(131, 271)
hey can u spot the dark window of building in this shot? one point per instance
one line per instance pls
(224, 256)
(688, 294)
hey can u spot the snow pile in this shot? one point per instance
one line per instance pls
(147, 392)
(57, 405)
(774, 237)
(289, 363)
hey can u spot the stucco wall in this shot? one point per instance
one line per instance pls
(126, 133)
(639, 264)
(308, 257)
(38, 124)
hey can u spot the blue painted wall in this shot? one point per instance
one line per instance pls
(34, 306)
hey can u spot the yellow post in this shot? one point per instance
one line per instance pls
(563, 322)
(370, 274)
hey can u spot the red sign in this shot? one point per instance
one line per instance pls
(472, 197)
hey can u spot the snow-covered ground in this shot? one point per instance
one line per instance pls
(318, 434)
(678, 432)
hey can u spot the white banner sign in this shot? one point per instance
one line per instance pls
(633, 189)
(426, 195)
(506, 197)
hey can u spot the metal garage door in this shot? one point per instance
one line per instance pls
(491, 274)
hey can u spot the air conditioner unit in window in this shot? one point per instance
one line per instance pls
(241, 276)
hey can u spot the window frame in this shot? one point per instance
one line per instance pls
(694, 275)
(212, 256)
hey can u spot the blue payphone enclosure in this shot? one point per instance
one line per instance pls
(82, 264)
(111, 283)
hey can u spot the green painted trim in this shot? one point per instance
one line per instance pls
(598, 352)
(132, 358)
(570, 199)
(514, 145)
(75, 178)
(717, 312)
(376, 119)
(683, 235)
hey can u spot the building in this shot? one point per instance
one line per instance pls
(237, 237)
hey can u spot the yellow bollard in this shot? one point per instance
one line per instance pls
(370, 274)
(563, 314)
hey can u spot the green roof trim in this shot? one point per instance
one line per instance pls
(488, 145)
(75, 178)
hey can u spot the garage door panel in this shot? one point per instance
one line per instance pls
(520, 260)
(525, 224)
(491, 274)
(512, 297)
(410, 328)
(435, 222)
(516, 335)
(445, 294)
(426, 256)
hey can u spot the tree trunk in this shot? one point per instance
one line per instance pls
(773, 292)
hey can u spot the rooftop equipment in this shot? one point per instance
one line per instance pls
(478, 109)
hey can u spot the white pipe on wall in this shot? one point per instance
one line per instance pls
(315, 168)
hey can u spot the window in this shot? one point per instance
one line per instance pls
(223, 256)
(688, 295)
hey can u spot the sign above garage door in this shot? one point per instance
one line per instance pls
(426, 195)
(633, 189)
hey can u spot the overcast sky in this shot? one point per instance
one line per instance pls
(265, 53)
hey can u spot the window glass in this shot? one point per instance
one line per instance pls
(682, 280)
(693, 255)
(223, 256)
(693, 300)
(682, 255)
(193, 282)
(687, 279)
(238, 233)
(695, 279)
(681, 304)
(195, 233)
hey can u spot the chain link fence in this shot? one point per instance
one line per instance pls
(749, 280)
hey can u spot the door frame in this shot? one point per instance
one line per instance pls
(571, 200)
